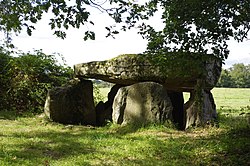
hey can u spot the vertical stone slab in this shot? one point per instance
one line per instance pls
(209, 107)
(142, 103)
(177, 101)
(72, 103)
(200, 109)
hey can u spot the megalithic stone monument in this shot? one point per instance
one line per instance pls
(178, 72)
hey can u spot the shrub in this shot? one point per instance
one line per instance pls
(30, 75)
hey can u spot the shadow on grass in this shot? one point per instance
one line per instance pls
(229, 146)
(235, 140)
(42, 146)
(130, 146)
(236, 148)
(13, 115)
(128, 128)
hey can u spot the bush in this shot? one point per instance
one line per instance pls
(27, 77)
(5, 60)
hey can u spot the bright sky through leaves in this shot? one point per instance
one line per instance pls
(76, 50)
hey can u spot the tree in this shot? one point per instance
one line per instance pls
(241, 75)
(5, 60)
(196, 25)
(19, 14)
(190, 26)
(237, 76)
(225, 79)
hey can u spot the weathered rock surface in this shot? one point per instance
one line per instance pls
(72, 104)
(177, 101)
(142, 103)
(176, 72)
(104, 110)
(198, 114)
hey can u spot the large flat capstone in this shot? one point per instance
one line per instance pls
(176, 71)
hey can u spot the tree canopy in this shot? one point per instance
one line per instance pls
(237, 76)
(189, 25)
(195, 25)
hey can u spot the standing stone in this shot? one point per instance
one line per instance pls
(72, 104)
(101, 114)
(199, 113)
(177, 101)
(142, 103)
(104, 110)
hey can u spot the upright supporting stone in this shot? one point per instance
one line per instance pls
(200, 109)
(72, 104)
(104, 110)
(142, 103)
(209, 107)
(177, 101)
(193, 107)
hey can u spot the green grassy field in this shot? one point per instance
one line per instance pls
(231, 98)
(33, 140)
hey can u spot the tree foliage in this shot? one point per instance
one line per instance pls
(238, 76)
(189, 25)
(25, 79)
(24, 14)
(196, 25)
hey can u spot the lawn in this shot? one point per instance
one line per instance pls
(33, 140)
(232, 98)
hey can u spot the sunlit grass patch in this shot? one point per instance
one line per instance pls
(232, 98)
(29, 141)
(33, 140)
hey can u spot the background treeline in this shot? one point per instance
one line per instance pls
(238, 76)
(26, 77)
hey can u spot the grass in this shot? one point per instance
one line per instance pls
(33, 140)
(104, 92)
(231, 98)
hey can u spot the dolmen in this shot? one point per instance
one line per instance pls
(148, 89)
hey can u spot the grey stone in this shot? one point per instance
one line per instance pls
(101, 113)
(177, 101)
(142, 103)
(178, 72)
(72, 103)
(200, 114)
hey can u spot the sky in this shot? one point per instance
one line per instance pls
(75, 50)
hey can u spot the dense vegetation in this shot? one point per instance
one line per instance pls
(33, 140)
(237, 76)
(26, 77)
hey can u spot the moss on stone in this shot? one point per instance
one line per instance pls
(125, 55)
(173, 64)
(176, 69)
